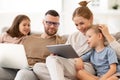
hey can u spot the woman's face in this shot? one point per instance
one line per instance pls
(24, 27)
(82, 23)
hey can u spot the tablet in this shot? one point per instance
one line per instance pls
(63, 50)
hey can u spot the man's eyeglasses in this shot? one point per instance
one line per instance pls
(49, 23)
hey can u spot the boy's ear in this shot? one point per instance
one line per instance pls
(100, 35)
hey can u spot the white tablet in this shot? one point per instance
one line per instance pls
(63, 50)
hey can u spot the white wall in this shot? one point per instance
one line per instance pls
(6, 20)
(35, 9)
(68, 8)
(105, 14)
(102, 14)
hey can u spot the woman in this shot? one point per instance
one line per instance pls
(19, 29)
(65, 69)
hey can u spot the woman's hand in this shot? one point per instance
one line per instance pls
(104, 29)
(105, 32)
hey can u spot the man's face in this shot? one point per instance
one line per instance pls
(51, 24)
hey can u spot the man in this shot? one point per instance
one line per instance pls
(35, 45)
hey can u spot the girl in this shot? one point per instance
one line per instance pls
(19, 29)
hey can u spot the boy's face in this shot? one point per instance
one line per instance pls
(92, 38)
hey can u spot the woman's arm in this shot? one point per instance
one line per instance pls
(115, 44)
(106, 33)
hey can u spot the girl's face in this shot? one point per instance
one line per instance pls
(24, 27)
(82, 23)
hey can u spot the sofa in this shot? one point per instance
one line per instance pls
(11, 70)
(117, 36)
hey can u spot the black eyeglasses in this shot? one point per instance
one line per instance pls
(49, 23)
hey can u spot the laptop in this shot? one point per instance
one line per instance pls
(13, 56)
(63, 50)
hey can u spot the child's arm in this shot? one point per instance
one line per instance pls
(110, 72)
(79, 64)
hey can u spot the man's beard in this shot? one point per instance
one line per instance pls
(50, 34)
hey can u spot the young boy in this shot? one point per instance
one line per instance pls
(102, 57)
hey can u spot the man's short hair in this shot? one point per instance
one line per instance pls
(52, 12)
